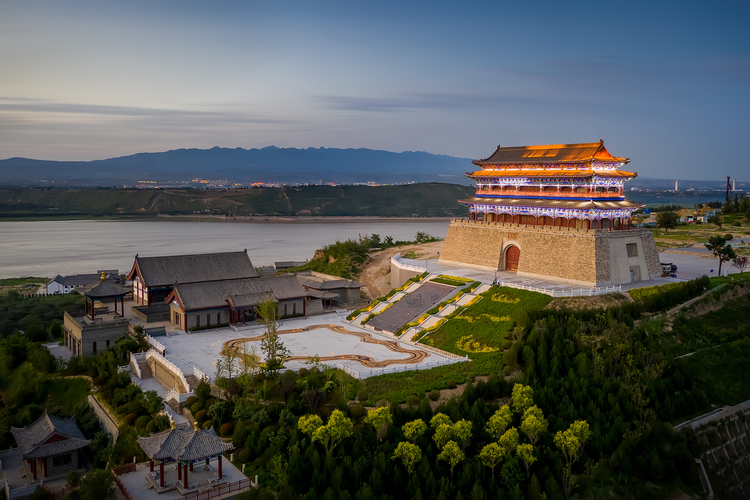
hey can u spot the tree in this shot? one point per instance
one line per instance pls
(452, 454)
(227, 366)
(271, 345)
(413, 430)
(339, 427)
(440, 419)
(97, 485)
(522, 398)
(716, 219)
(718, 246)
(526, 453)
(442, 435)
(308, 424)
(203, 391)
(498, 422)
(571, 443)
(533, 423)
(380, 419)
(409, 453)
(667, 220)
(509, 440)
(462, 432)
(491, 455)
(277, 467)
(741, 263)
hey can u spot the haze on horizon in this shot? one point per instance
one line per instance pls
(664, 86)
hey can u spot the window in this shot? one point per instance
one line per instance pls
(284, 309)
(94, 347)
(632, 249)
(208, 319)
(294, 308)
(197, 320)
(61, 460)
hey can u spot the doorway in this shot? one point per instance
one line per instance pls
(511, 258)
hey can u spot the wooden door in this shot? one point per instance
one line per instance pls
(511, 258)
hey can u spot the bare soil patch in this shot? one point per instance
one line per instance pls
(593, 302)
(376, 275)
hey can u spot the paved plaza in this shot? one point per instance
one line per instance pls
(202, 349)
(688, 267)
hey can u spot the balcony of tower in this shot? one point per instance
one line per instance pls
(566, 192)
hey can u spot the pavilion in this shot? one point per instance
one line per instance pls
(183, 448)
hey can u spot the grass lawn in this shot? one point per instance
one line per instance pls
(732, 278)
(23, 281)
(489, 320)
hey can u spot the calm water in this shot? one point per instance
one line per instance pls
(49, 248)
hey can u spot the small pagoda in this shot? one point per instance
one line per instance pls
(569, 185)
(555, 211)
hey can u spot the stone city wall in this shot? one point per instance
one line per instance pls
(585, 256)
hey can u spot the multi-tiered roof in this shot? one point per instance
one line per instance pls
(548, 185)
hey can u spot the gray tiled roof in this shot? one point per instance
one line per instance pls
(250, 299)
(182, 444)
(215, 294)
(320, 294)
(327, 284)
(32, 440)
(77, 279)
(171, 269)
(103, 289)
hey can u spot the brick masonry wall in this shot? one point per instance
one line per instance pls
(579, 255)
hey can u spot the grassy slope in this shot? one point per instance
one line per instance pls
(427, 200)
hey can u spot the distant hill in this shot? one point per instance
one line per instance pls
(423, 200)
(270, 164)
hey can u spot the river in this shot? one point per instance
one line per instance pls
(48, 248)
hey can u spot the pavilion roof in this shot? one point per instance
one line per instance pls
(553, 153)
(184, 444)
(103, 289)
(577, 174)
(49, 436)
(551, 203)
(170, 269)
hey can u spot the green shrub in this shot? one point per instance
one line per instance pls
(142, 421)
(451, 383)
(200, 415)
(226, 429)
(737, 224)
(434, 395)
(151, 426)
(207, 424)
(191, 401)
(363, 396)
(130, 418)
(244, 455)
(728, 237)
(506, 344)
(196, 407)
(357, 412)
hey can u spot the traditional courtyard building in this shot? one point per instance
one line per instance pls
(50, 447)
(154, 277)
(332, 290)
(213, 303)
(553, 211)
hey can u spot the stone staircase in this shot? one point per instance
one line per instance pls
(145, 370)
(192, 381)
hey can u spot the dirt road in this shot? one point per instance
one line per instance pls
(377, 273)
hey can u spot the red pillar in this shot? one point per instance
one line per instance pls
(179, 471)
(161, 474)
(221, 475)
(151, 465)
(185, 477)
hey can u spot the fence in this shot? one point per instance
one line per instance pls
(177, 396)
(415, 266)
(121, 486)
(152, 353)
(564, 293)
(373, 372)
(236, 487)
(134, 358)
(200, 375)
(156, 345)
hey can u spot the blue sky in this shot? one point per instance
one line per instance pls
(664, 83)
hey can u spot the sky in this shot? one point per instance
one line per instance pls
(666, 83)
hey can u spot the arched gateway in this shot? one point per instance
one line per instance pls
(512, 254)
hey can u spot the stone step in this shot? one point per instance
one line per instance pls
(145, 370)
(192, 381)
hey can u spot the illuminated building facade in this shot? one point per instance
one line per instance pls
(554, 211)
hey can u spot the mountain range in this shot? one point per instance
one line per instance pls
(269, 165)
